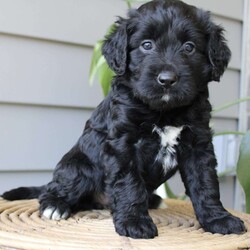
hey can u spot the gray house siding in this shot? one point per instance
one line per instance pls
(45, 99)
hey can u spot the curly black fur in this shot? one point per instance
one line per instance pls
(154, 122)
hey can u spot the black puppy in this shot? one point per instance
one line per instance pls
(154, 122)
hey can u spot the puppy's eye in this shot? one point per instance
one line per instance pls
(189, 47)
(147, 45)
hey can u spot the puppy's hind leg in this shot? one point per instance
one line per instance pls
(75, 177)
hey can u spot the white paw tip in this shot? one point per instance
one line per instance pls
(54, 214)
(47, 213)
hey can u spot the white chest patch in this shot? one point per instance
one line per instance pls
(169, 139)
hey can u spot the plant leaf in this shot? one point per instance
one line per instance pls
(243, 168)
(98, 61)
(229, 133)
(169, 191)
(105, 75)
(230, 104)
(96, 56)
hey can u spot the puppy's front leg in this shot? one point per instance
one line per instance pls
(197, 168)
(126, 190)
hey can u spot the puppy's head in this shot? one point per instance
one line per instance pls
(169, 51)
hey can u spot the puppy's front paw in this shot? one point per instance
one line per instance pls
(55, 213)
(54, 208)
(137, 228)
(226, 225)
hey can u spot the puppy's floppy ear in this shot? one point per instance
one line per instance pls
(114, 48)
(218, 52)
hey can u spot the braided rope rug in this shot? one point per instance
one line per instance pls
(22, 228)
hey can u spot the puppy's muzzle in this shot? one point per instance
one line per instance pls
(167, 78)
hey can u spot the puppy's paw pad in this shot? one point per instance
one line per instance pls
(54, 213)
(137, 228)
(227, 225)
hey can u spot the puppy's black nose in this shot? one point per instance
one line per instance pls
(167, 78)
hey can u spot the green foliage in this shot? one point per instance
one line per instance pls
(243, 168)
(169, 192)
(99, 66)
(230, 104)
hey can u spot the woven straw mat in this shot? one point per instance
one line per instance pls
(22, 228)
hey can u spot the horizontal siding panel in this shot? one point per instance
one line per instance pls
(14, 179)
(233, 34)
(224, 92)
(221, 124)
(78, 21)
(37, 137)
(41, 72)
(230, 9)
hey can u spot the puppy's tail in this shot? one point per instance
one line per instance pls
(23, 193)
